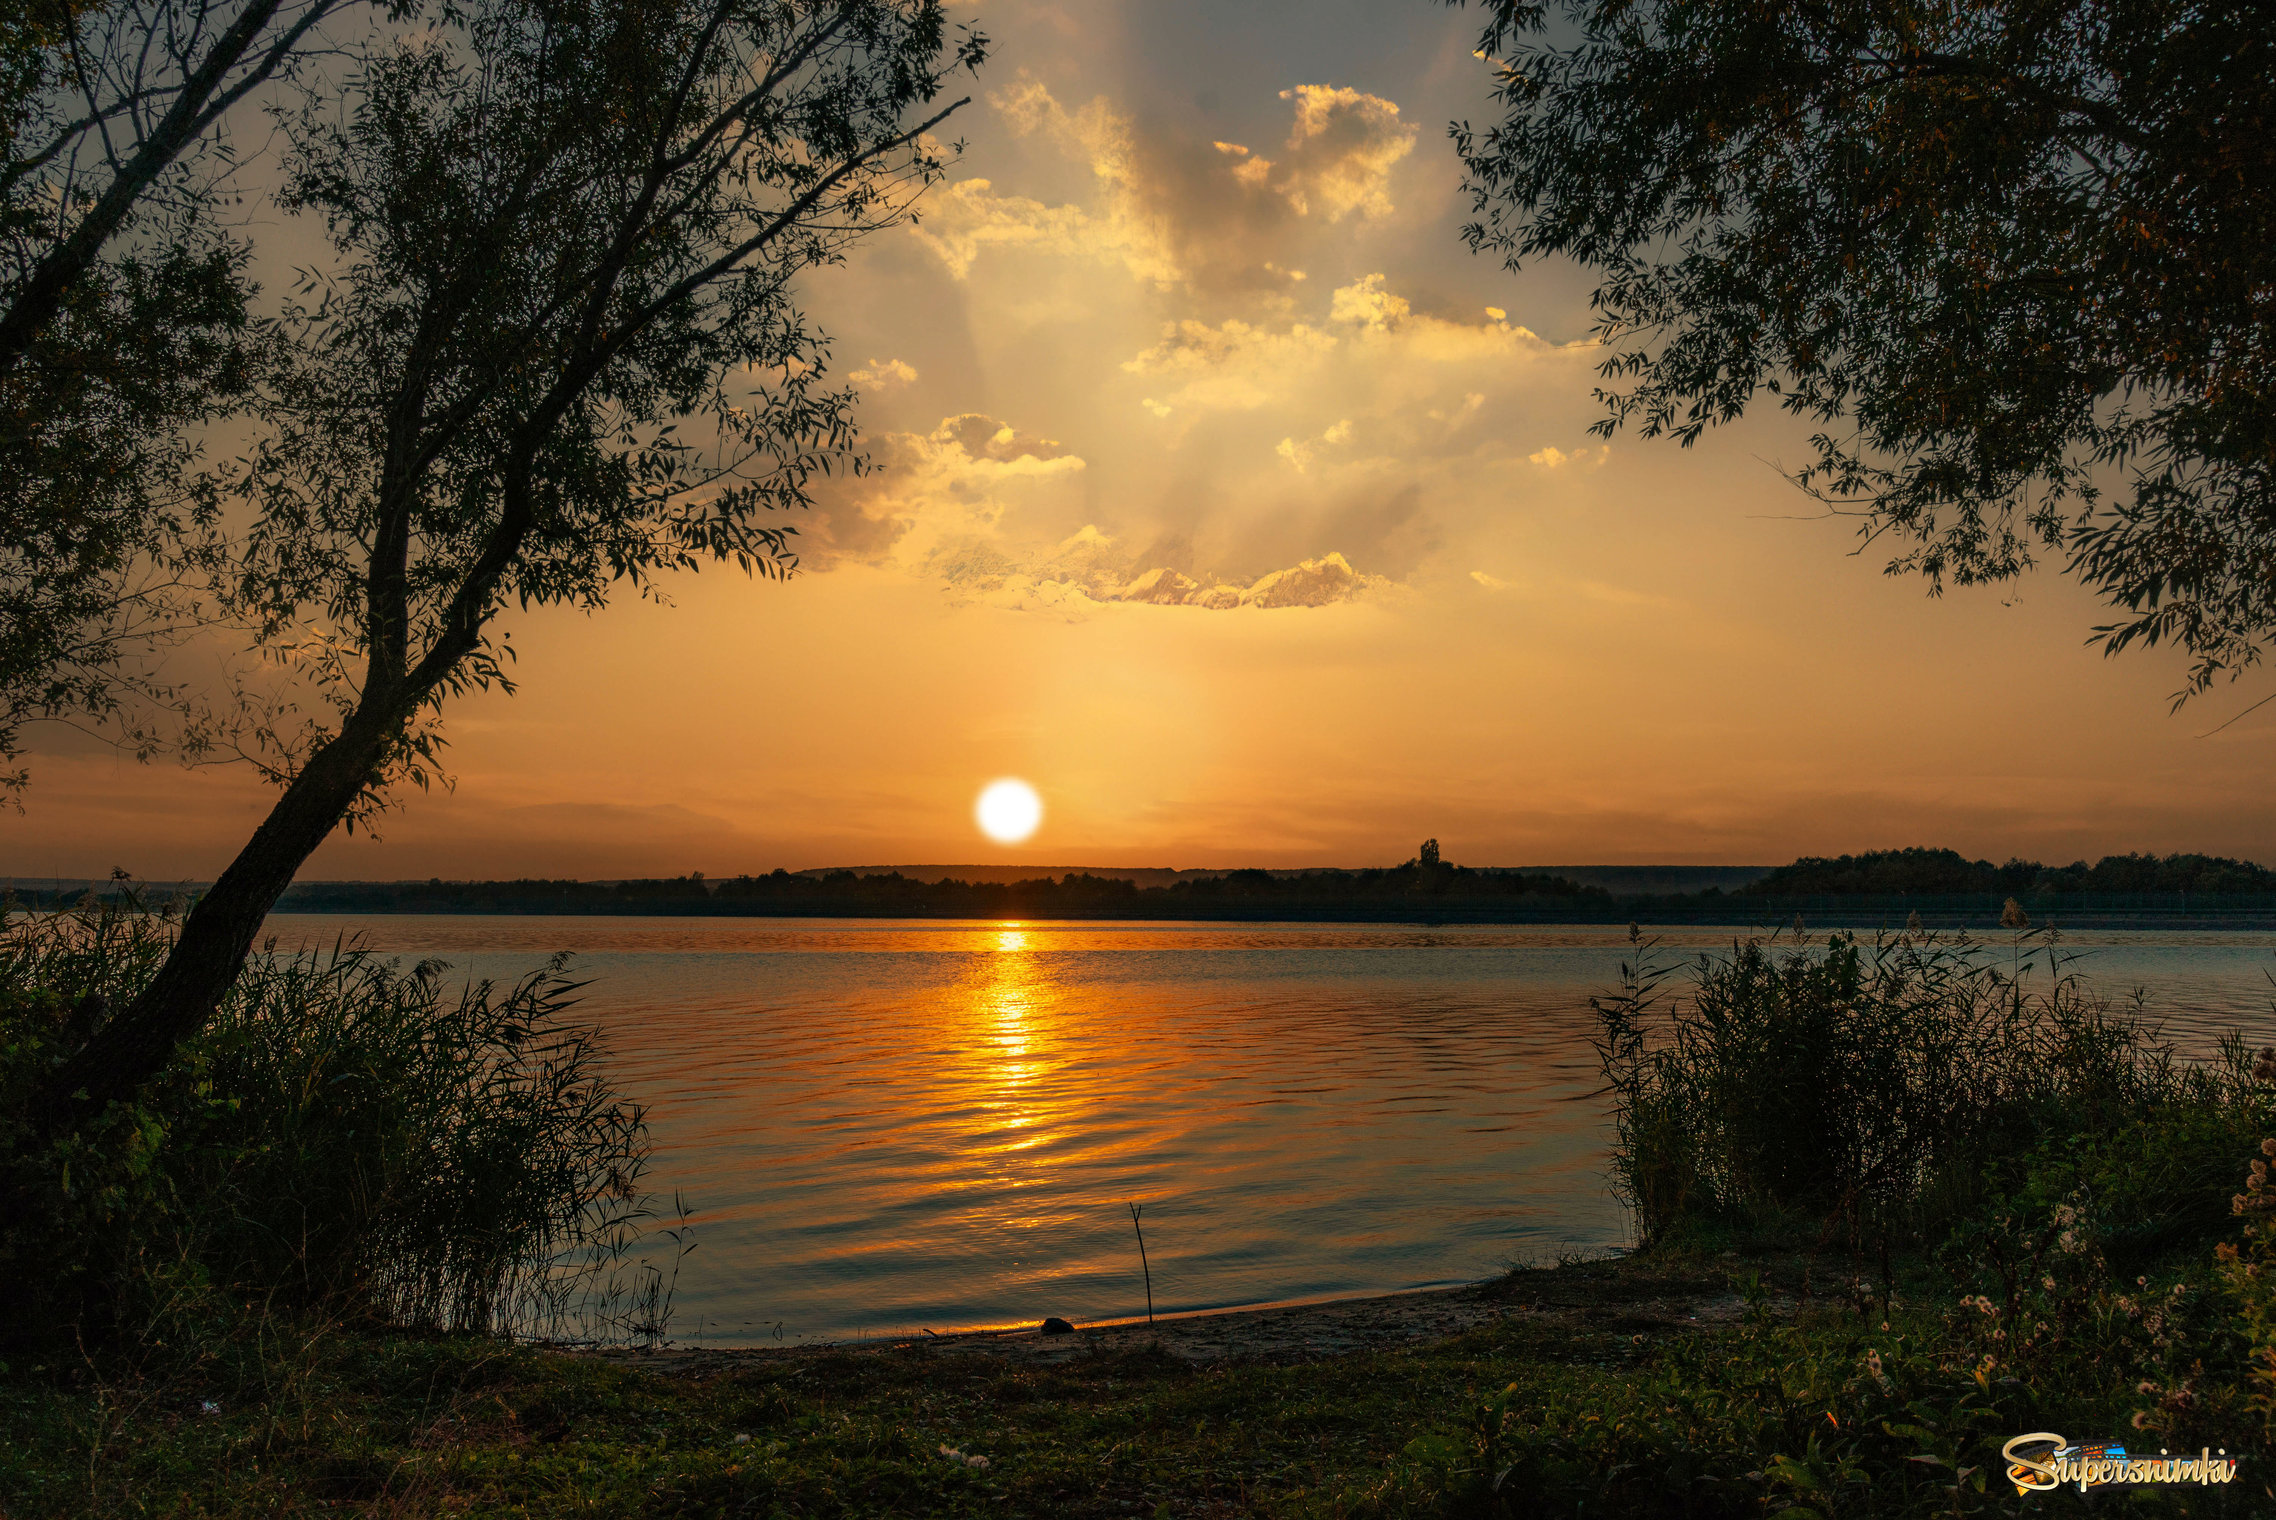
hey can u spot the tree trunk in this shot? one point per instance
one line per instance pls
(218, 934)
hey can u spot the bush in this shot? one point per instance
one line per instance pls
(344, 1138)
(1888, 1088)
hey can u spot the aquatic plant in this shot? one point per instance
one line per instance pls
(347, 1138)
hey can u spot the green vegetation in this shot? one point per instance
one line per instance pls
(344, 1144)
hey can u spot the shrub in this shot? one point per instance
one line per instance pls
(1887, 1087)
(345, 1137)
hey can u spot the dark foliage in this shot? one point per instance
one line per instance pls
(2000, 253)
(1882, 872)
(346, 1141)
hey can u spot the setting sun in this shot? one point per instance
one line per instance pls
(1008, 811)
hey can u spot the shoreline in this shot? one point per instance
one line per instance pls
(1624, 1293)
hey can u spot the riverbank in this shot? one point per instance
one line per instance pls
(1597, 1389)
(1576, 1297)
(1298, 1411)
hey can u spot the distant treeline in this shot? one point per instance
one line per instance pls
(1882, 887)
(1399, 892)
(1945, 872)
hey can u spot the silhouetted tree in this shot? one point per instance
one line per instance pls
(1998, 251)
(122, 322)
(567, 229)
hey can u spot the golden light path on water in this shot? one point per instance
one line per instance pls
(882, 1126)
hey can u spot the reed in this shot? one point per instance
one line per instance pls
(347, 1139)
(1877, 1087)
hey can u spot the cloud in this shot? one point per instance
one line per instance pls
(970, 506)
(1301, 454)
(1554, 458)
(884, 375)
(1176, 212)
(1236, 365)
(1338, 157)
(1490, 582)
(1368, 304)
(1090, 570)
(1233, 364)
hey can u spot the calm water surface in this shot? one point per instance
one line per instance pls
(885, 1125)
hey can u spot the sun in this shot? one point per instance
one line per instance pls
(1008, 810)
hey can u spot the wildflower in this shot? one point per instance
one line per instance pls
(2268, 1147)
(2141, 1419)
(2264, 1069)
(742, 1440)
(2048, 1282)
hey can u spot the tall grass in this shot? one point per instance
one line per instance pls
(1875, 1087)
(346, 1138)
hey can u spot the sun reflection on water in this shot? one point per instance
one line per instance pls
(1012, 1004)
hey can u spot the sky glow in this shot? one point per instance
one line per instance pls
(1218, 483)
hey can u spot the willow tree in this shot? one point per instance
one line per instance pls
(559, 352)
(123, 318)
(2016, 259)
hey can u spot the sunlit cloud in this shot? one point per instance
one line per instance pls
(1554, 458)
(1233, 364)
(883, 375)
(1180, 214)
(1301, 454)
(971, 506)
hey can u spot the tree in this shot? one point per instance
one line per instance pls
(122, 321)
(2015, 258)
(568, 232)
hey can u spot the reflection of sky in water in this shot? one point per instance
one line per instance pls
(887, 1125)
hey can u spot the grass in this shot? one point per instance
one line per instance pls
(1603, 1411)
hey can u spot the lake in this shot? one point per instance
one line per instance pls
(886, 1126)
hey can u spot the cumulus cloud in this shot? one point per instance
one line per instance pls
(1300, 454)
(883, 375)
(969, 506)
(1338, 157)
(1176, 212)
(1554, 458)
(1233, 364)
(1091, 570)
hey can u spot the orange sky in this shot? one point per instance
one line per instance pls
(1228, 499)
